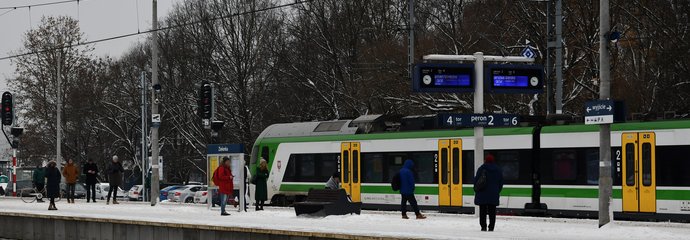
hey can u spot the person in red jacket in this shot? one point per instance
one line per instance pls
(222, 177)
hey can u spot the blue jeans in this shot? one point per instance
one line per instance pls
(223, 202)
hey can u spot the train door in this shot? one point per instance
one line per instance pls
(449, 168)
(350, 169)
(639, 172)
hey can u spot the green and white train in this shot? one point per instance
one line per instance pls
(550, 167)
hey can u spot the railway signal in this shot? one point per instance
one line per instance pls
(205, 108)
(7, 109)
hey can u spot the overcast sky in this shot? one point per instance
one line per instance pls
(97, 19)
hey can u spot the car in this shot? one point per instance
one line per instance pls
(185, 194)
(201, 196)
(134, 193)
(164, 192)
(103, 188)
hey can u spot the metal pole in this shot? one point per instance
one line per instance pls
(410, 48)
(479, 109)
(605, 181)
(14, 171)
(154, 105)
(549, 88)
(242, 196)
(59, 113)
(144, 149)
(559, 56)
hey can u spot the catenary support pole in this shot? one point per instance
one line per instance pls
(479, 109)
(154, 105)
(144, 131)
(559, 56)
(410, 48)
(605, 180)
(58, 157)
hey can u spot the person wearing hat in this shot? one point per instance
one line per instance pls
(53, 178)
(488, 185)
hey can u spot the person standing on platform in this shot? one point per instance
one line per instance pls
(115, 179)
(53, 179)
(488, 183)
(39, 181)
(91, 171)
(261, 193)
(407, 186)
(71, 174)
(222, 177)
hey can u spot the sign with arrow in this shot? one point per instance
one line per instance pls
(599, 112)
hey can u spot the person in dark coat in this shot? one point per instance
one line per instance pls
(115, 171)
(261, 192)
(407, 186)
(488, 198)
(53, 178)
(222, 177)
(39, 180)
(91, 171)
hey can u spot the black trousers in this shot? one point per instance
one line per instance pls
(113, 191)
(487, 210)
(413, 202)
(91, 192)
(70, 190)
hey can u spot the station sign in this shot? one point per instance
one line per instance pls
(514, 78)
(599, 112)
(477, 120)
(436, 77)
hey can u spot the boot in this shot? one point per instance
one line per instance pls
(404, 216)
(420, 216)
(115, 201)
(107, 201)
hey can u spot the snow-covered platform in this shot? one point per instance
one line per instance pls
(281, 223)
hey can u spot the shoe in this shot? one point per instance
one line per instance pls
(404, 216)
(115, 202)
(224, 214)
(491, 229)
(483, 229)
(421, 216)
(88, 201)
(107, 202)
(94, 201)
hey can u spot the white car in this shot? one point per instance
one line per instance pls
(201, 196)
(134, 193)
(103, 188)
(184, 194)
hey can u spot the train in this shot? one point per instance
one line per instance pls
(550, 170)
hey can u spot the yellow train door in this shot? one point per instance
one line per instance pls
(449, 168)
(639, 172)
(350, 169)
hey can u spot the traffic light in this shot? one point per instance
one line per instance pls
(7, 109)
(205, 108)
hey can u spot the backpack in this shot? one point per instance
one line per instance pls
(481, 182)
(395, 182)
(215, 179)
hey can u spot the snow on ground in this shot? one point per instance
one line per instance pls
(370, 223)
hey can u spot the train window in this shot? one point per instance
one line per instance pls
(424, 166)
(372, 167)
(509, 161)
(265, 153)
(456, 166)
(346, 167)
(646, 164)
(329, 165)
(592, 157)
(307, 165)
(468, 167)
(444, 166)
(672, 165)
(630, 164)
(291, 169)
(564, 165)
(355, 166)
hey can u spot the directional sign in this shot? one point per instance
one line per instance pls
(599, 112)
(528, 52)
(155, 120)
(514, 78)
(431, 77)
(477, 120)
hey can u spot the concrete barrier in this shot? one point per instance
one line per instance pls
(35, 226)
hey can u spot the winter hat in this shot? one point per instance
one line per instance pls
(489, 158)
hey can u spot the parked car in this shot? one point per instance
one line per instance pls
(79, 190)
(165, 191)
(103, 188)
(135, 193)
(201, 196)
(184, 194)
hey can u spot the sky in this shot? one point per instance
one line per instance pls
(98, 19)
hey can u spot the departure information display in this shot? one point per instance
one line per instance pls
(434, 77)
(515, 78)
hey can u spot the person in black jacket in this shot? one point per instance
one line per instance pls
(115, 171)
(53, 178)
(91, 171)
(488, 197)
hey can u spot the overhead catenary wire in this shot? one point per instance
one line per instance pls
(41, 4)
(157, 30)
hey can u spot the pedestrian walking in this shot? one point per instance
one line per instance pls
(91, 171)
(334, 181)
(53, 179)
(39, 181)
(488, 183)
(71, 173)
(261, 192)
(115, 171)
(407, 186)
(222, 177)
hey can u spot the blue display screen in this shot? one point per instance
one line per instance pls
(452, 80)
(511, 81)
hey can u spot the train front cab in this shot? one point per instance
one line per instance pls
(639, 172)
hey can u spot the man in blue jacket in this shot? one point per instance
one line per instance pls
(407, 190)
(487, 198)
